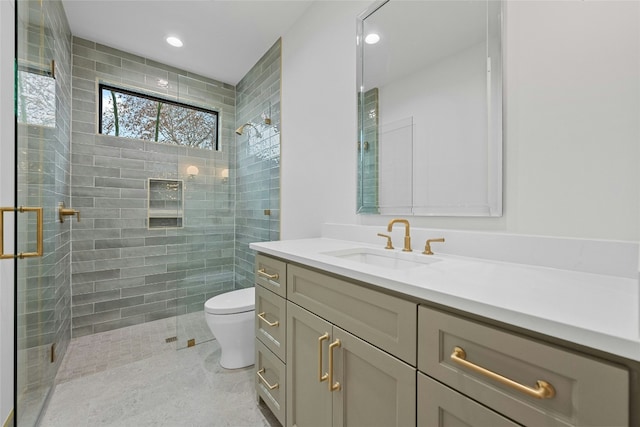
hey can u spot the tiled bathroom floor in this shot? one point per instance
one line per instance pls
(106, 350)
(132, 377)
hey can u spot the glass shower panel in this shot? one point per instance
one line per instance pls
(273, 166)
(257, 158)
(257, 161)
(43, 109)
(204, 249)
(165, 216)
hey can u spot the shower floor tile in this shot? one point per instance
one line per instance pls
(98, 352)
(164, 386)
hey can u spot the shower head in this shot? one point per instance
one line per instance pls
(241, 129)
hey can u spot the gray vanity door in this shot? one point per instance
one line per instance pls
(308, 399)
(385, 321)
(438, 405)
(376, 389)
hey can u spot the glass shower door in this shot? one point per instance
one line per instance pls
(205, 241)
(43, 271)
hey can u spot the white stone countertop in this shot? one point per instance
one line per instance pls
(594, 310)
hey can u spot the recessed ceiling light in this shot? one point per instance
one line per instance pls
(174, 41)
(372, 38)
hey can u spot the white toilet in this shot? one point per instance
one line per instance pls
(231, 318)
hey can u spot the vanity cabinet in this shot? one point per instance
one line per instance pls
(310, 327)
(438, 405)
(270, 380)
(271, 320)
(345, 343)
(270, 327)
(530, 382)
(336, 379)
(385, 321)
(335, 352)
(271, 274)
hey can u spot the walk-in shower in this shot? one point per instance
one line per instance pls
(155, 239)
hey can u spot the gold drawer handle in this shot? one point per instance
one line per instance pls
(263, 273)
(543, 389)
(321, 376)
(269, 386)
(272, 324)
(333, 386)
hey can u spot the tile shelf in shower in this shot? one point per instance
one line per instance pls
(165, 203)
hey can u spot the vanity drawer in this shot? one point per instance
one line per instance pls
(271, 274)
(270, 380)
(586, 391)
(383, 320)
(438, 405)
(271, 318)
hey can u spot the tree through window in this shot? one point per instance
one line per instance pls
(36, 97)
(133, 115)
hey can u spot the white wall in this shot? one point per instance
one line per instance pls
(6, 199)
(449, 110)
(572, 134)
(318, 110)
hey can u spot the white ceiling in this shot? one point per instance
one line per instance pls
(222, 39)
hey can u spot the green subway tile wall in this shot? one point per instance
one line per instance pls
(258, 162)
(123, 272)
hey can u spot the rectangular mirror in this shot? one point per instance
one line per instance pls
(430, 108)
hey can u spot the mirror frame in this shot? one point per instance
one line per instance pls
(495, 131)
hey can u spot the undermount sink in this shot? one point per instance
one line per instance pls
(392, 259)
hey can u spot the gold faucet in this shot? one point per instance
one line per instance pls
(427, 246)
(389, 244)
(407, 235)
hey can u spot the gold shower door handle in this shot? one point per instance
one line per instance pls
(333, 386)
(269, 386)
(263, 273)
(321, 376)
(39, 237)
(543, 389)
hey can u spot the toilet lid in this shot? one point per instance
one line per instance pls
(231, 302)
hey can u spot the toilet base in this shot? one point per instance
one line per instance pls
(236, 335)
(237, 359)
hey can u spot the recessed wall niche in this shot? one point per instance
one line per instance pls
(166, 202)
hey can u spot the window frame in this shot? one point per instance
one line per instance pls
(107, 86)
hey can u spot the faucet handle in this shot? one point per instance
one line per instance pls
(389, 244)
(427, 246)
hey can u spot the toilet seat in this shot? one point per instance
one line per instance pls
(232, 302)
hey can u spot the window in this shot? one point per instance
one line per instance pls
(133, 115)
(36, 97)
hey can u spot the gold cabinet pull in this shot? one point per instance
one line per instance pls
(39, 232)
(272, 324)
(333, 386)
(269, 386)
(543, 389)
(263, 273)
(321, 376)
(62, 212)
